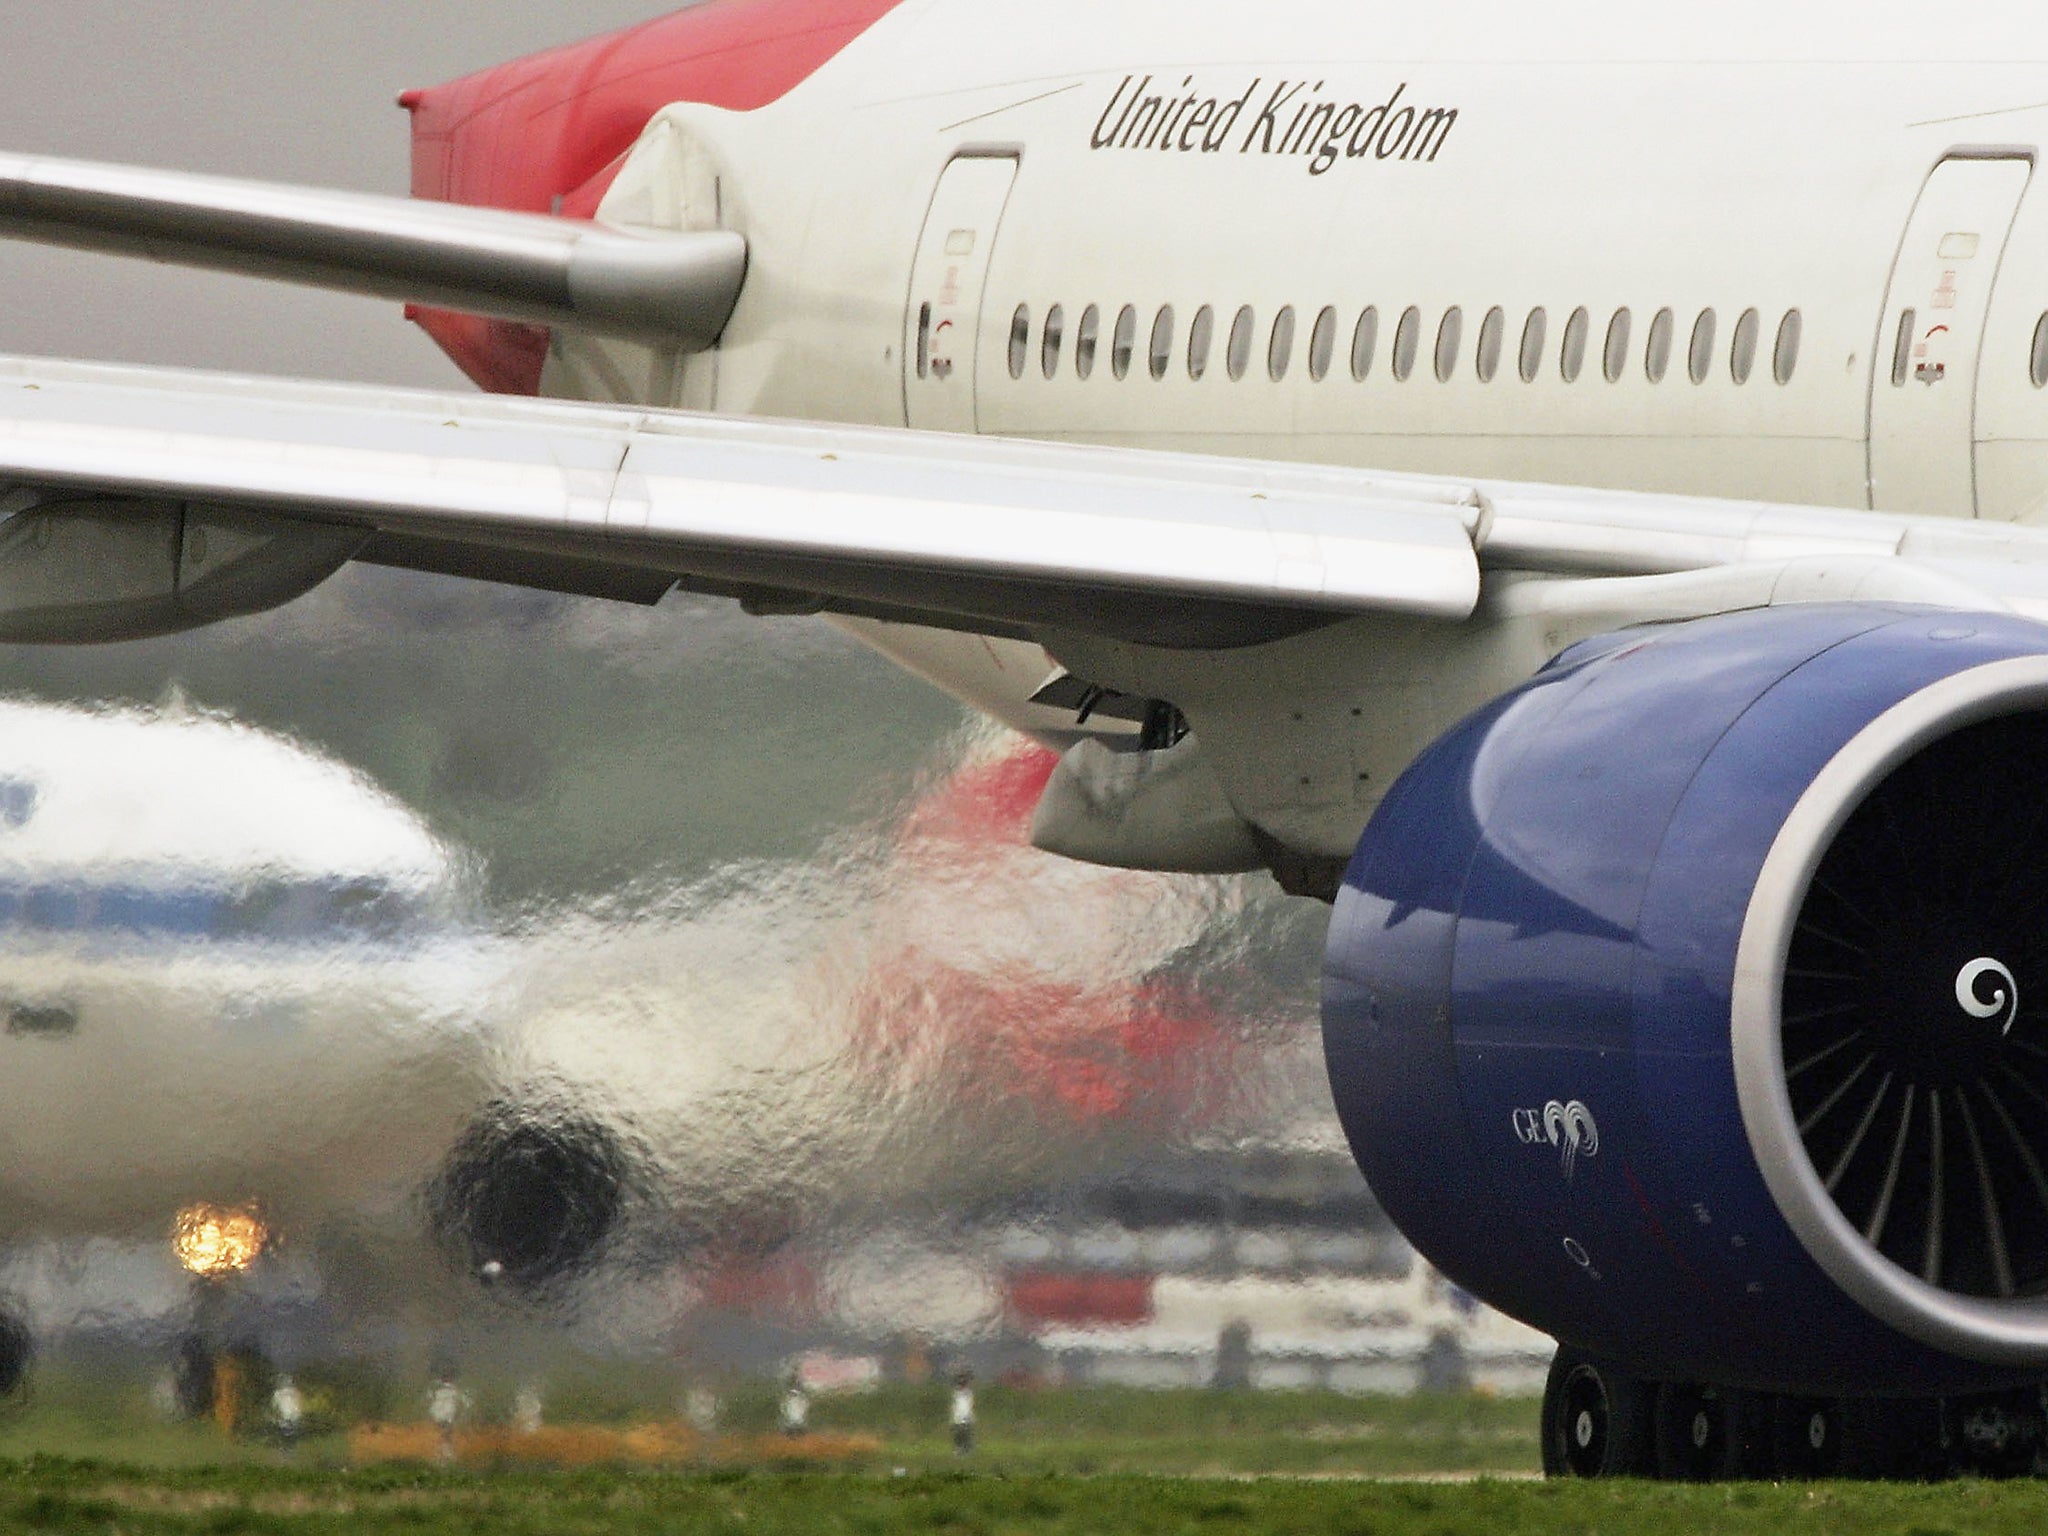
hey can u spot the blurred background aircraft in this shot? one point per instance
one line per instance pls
(476, 1001)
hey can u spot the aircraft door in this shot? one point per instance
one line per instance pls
(1923, 393)
(942, 330)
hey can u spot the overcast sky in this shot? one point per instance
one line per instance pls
(262, 88)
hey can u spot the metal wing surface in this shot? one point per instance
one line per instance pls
(994, 535)
(985, 534)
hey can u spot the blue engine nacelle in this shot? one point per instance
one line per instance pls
(1691, 1001)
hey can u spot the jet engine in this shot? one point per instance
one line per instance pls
(529, 1197)
(1691, 1001)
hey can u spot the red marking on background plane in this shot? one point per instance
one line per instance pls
(988, 801)
(547, 134)
(1040, 1299)
(1051, 1010)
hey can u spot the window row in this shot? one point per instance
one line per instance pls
(1242, 341)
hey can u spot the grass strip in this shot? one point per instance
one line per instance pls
(1077, 1430)
(49, 1494)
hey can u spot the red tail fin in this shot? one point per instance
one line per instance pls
(546, 134)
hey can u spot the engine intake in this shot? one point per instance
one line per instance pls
(1708, 973)
(530, 1195)
(1904, 911)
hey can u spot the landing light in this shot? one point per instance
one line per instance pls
(213, 1240)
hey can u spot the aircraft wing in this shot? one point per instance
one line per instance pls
(627, 503)
(988, 534)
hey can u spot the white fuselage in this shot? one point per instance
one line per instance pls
(220, 952)
(1620, 185)
(1702, 256)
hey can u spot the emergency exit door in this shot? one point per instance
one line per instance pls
(1923, 396)
(942, 331)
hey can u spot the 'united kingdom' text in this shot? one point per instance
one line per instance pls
(1289, 117)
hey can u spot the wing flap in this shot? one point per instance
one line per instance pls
(1164, 548)
(1006, 537)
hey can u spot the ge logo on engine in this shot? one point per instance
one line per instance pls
(1567, 1126)
(2003, 996)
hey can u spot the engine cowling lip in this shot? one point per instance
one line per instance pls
(1992, 1330)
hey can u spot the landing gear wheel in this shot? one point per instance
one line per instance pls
(1806, 1437)
(1895, 1438)
(1596, 1419)
(17, 1350)
(1698, 1433)
(1996, 1434)
(192, 1378)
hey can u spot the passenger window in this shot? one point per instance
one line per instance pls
(2038, 366)
(1450, 336)
(1902, 348)
(1160, 358)
(1200, 335)
(1657, 356)
(1535, 335)
(1407, 338)
(1280, 348)
(1084, 341)
(1614, 356)
(1785, 357)
(1125, 342)
(1049, 346)
(1239, 358)
(1020, 340)
(1699, 357)
(1742, 356)
(1365, 340)
(1492, 334)
(1573, 358)
(1322, 344)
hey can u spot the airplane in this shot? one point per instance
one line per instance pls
(251, 1003)
(219, 951)
(1573, 511)
(766, 1057)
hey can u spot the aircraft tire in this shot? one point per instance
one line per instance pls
(1697, 1433)
(1596, 1419)
(17, 1352)
(1892, 1439)
(1806, 1437)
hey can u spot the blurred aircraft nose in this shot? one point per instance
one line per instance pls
(527, 1198)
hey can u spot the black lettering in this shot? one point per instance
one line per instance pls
(1226, 119)
(1294, 122)
(1327, 155)
(1318, 120)
(1146, 123)
(1173, 118)
(1383, 148)
(1123, 136)
(1438, 121)
(1099, 139)
(1373, 121)
(1268, 120)
(1295, 119)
